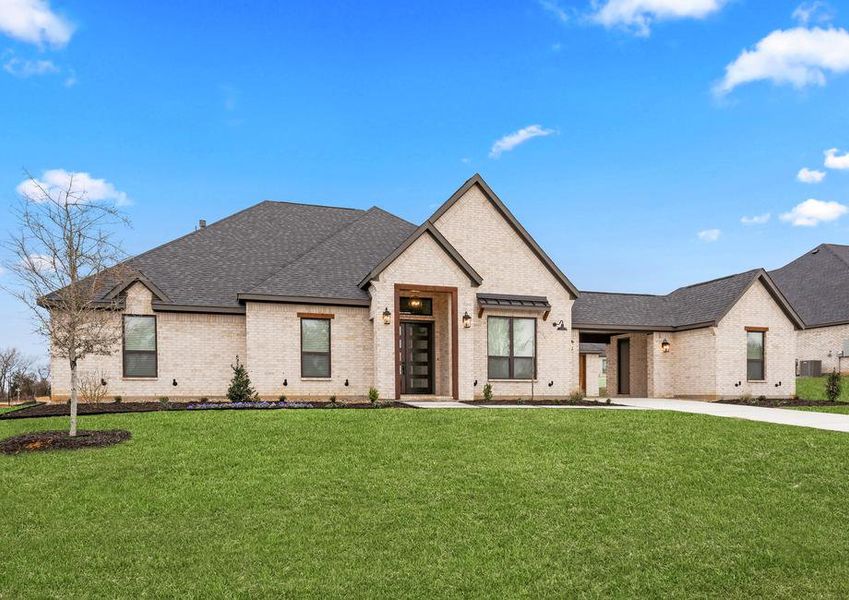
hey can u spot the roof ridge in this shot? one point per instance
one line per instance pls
(831, 249)
(311, 248)
(624, 293)
(692, 285)
(315, 205)
(393, 215)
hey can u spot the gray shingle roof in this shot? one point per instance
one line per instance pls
(686, 307)
(817, 285)
(244, 251)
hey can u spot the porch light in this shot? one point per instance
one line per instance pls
(387, 316)
(467, 320)
(664, 345)
(561, 326)
(415, 303)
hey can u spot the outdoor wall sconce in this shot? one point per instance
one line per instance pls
(550, 383)
(467, 320)
(346, 383)
(174, 382)
(102, 381)
(738, 384)
(475, 384)
(387, 316)
(829, 353)
(664, 345)
(561, 326)
(285, 382)
(778, 384)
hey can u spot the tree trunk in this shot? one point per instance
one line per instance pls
(74, 386)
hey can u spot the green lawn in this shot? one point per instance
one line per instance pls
(813, 388)
(414, 503)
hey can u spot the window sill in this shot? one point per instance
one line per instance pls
(515, 380)
(756, 381)
(316, 379)
(139, 378)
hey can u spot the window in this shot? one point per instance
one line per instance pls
(315, 347)
(416, 306)
(139, 346)
(511, 347)
(755, 355)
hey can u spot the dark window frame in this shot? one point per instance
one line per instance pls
(762, 331)
(329, 353)
(124, 350)
(511, 375)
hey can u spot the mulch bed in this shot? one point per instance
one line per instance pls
(63, 410)
(41, 441)
(540, 402)
(779, 402)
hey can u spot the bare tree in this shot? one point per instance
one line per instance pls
(12, 362)
(65, 258)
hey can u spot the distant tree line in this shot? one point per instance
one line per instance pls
(21, 378)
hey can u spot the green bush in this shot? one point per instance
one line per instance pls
(281, 398)
(373, 395)
(832, 386)
(747, 398)
(333, 399)
(118, 399)
(163, 400)
(240, 389)
(487, 392)
(577, 395)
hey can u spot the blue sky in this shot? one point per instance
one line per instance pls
(195, 110)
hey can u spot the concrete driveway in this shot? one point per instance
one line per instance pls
(780, 416)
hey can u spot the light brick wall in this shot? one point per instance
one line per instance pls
(508, 266)
(274, 351)
(660, 366)
(639, 364)
(756, 309)
(593, 374)
(817, 344)
(194, 349)
(693, 357)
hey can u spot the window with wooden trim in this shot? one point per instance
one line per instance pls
(139, 346)
(315, 347)
(755, 354)
(511, 347)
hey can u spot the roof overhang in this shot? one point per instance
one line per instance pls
(304, 300)
(513, 302)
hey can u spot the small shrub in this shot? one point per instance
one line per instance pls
(487, 392)
(241, 389)
(118, 399)
(333, 399)
(832, 386)
(204, 399)
(747, 398)
(163, 400)
(373, 395)
(607, 401)
(577, 395)
(281, 398)
(761, 399)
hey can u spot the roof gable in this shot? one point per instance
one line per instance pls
(501, 208)
(426, 228)
(817, 285)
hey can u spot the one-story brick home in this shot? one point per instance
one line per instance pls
(817, 286)
(320, 301)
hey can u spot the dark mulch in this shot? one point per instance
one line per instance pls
(779, 402)
(63, 410)
(41, 441)
(548, 402)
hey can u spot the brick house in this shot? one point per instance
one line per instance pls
(319, 301)
(817, 285)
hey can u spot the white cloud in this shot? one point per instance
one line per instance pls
(815, 11)
(551, 6)
(799, 57)
(71, 79)
(806, 175)
(511, 140)
(811, 212)
(833, 161)
(639, 15)
(709, 235)
(32, 21)
(20, 67)
(59, 179)
(755, 220)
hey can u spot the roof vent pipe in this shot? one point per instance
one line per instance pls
(202, 224)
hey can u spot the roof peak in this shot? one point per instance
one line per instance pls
(311, 204)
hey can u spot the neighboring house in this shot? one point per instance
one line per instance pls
(817, 286)
(319, 301)
(718, 339)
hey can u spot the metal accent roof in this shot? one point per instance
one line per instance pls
(513, 301)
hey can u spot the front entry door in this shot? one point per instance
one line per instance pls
(416, 357)
(623, 366)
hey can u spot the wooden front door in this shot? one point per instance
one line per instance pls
(416, 357)
(582, 372)
(623, 366)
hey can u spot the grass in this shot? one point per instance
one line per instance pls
(813, 388)
(405, 503)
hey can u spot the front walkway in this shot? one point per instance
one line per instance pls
(780, 416)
